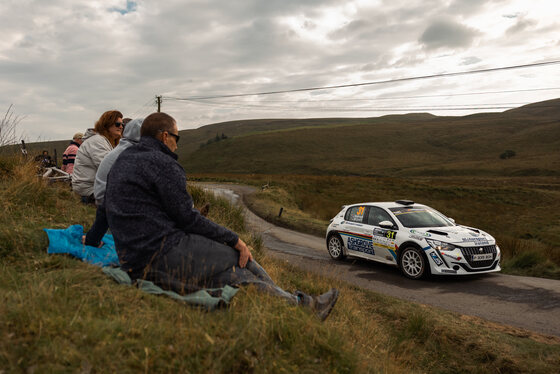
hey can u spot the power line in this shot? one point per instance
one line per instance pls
(150, 102)
(400, 97)
(535, 64)
(258, 105)
(354, 109)
(451, 107)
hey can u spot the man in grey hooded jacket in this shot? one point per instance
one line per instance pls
(131, 136)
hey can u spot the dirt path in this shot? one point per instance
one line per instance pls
(522, 302)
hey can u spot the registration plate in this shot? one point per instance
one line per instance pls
(483, 257)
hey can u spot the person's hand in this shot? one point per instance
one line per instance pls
(244, 253)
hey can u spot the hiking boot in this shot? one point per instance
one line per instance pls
(322, 304)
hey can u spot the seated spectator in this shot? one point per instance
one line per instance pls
(131, 136)
(160, 236)
(44, 160)
(96, 144)
(69, 155)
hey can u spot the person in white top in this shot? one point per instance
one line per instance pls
(97, 143)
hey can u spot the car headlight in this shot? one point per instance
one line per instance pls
(440, 246)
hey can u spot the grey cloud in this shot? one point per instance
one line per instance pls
(309, 25)
(470, 60)
(447, 34)
(521, 25)
(351, 29)
(466, 7)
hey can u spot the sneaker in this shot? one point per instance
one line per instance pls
(321, 305)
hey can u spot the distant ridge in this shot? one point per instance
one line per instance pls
(548, 108)
(413, 144)
(392, 145)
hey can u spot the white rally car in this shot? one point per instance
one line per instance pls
(416, 238)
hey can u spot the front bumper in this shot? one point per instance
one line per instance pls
(463, 261)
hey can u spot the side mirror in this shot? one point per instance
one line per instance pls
(386, 224)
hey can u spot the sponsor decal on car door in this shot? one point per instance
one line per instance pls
(355, 234)
(383, 240)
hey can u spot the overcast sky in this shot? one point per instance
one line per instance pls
(64, 62)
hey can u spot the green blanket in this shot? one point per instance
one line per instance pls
(209, 299)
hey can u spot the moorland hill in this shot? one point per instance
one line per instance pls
(517, 142)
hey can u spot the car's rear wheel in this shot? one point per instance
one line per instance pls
(413, 264)
(336, 247)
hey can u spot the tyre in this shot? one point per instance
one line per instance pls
(336, 247)
(413, 263)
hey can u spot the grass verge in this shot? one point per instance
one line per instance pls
(58, 314)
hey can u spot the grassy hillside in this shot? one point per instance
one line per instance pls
(61, 315)
(398, 146)
(392, 145)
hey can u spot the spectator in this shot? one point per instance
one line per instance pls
(96, 144)
(131, 136)
(69, 155)
(44, 160)
(160, 236)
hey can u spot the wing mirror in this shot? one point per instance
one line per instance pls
(386, 224)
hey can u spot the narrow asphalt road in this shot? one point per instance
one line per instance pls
(523, 302)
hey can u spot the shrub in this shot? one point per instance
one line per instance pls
(507, 154)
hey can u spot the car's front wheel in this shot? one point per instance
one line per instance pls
(336, 247)
(413, 264)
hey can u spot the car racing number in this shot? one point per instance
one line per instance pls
(389, 234)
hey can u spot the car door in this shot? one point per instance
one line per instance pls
(383, 239)
(355, 233)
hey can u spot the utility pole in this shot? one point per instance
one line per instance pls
(158, 100)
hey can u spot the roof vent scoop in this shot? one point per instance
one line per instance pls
(438, 232)
(405, 202)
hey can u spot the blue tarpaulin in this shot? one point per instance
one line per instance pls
(69, 241)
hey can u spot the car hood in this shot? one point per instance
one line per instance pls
(459, 235)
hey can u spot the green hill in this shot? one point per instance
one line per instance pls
(391, 145)
(396, 145)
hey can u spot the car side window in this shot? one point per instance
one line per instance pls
(355, 214)
(377, 215)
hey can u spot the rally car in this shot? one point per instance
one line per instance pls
(416, 238)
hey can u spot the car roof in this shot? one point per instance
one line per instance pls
(387, 204)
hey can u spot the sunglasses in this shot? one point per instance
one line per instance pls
(119, 124)
(177, 137)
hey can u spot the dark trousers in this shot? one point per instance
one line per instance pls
(99, 227)
(198, 262)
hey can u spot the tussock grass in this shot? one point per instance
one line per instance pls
(58, 314)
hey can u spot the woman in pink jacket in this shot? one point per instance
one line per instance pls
(70, 153)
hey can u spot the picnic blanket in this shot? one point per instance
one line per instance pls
(69, 241)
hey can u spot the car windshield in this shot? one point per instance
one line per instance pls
(419, 217)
